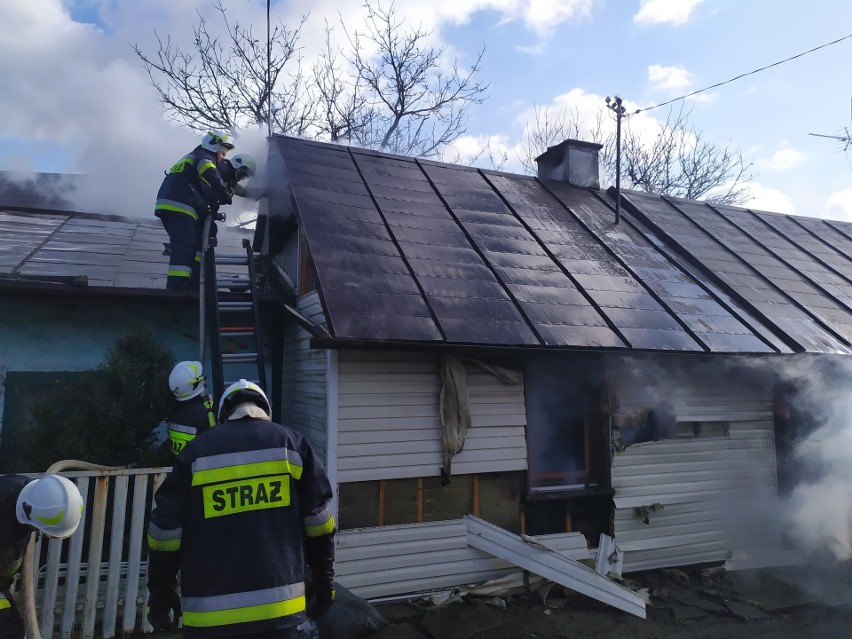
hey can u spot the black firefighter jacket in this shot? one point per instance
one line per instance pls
(192, 186)
(242, 511)
(14, 537)
(187, 419)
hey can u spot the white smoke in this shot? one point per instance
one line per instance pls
(819, 506)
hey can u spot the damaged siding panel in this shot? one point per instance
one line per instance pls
(394, 560)
(377, 562)
(304, 372)
(717, 494)
(389, 428)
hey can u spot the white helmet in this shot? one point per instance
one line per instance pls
(216, 140)
(244, 161)
(239, 393)
(186, 380)
(52, 504)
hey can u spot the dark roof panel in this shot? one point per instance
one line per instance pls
(709, 239)
(498, 259)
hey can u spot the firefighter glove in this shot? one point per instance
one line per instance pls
(164, 609)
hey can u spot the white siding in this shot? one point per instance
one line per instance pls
(397, 560)
(718, 493)
(388, 425)
(303, 404)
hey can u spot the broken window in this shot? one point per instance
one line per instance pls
(566, 440)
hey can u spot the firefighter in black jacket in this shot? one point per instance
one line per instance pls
(52, 505)
(191, 189)
(242, 512)
(192, 412)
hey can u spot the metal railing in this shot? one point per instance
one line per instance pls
(72, 598)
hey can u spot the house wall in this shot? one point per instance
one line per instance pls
(717, 494)
(75, 337)
(388, 424)
(304, 387)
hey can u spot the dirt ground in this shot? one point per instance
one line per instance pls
(805, 602)
(705, 603)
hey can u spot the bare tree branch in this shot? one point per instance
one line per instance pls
(679, 161)
(411, 104)
(222, 83)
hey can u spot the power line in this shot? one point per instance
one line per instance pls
(742, 75)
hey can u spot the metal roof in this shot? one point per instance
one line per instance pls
(41, 242)
(418, 251)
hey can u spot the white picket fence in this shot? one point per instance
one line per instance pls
(89, 585)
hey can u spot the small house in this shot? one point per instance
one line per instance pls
(467, 342)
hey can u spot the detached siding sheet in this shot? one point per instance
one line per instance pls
(718, 494)
(399, 560)
(388, 424)
(304, 378)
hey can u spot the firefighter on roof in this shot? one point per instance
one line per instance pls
(51, 505)
(192, 412)
(241, 514)
(191, 190)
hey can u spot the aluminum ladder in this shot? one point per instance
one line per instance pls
(233, 319)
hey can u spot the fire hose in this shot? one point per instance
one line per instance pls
(28, 572)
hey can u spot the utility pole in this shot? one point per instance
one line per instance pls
(620, 111)
(268, 76)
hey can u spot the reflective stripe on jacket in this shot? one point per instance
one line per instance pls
(191, 185)
(234, 515)
(188, 419)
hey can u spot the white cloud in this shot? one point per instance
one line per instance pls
(665, 11)
(669, 78)
(838, 206)
(784, 159)
(68, 85)
(539, 16)
(765, 198)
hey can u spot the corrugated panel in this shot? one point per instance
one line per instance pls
(303, 401)
(718, 493)
(397, 560)
(21, 234)
(388, 424)
(603, 277)
(109, 251)
(550, 565)
(817, 238)
(687, 298)
(718, 246)
(367, 287)
(552, 303)
(822, 292)
(469, 302)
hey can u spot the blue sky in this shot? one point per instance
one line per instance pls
(76, 100)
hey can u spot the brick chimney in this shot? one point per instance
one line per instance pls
(572, 161)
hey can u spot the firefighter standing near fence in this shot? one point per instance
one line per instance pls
(192, 413)
(51, 505)
(243, 510)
